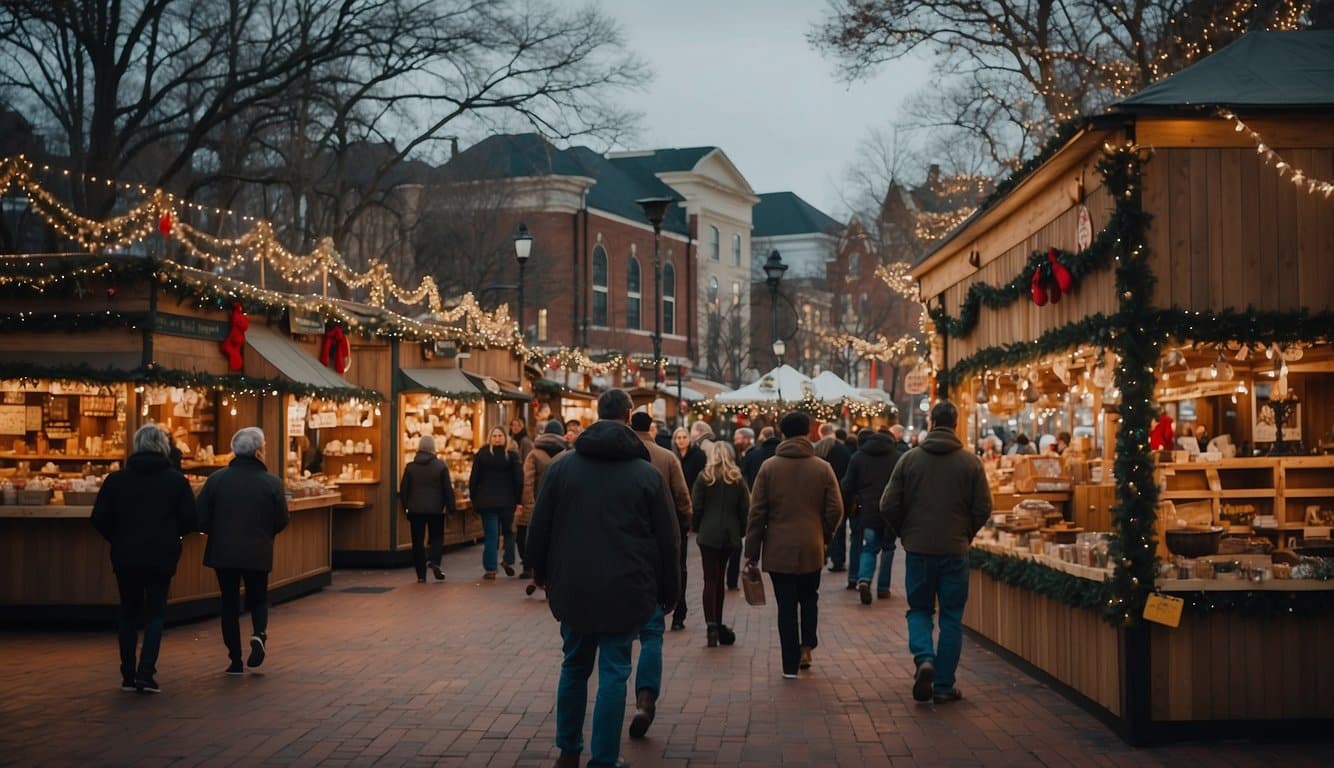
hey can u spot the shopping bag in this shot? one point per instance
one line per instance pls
(751, 585)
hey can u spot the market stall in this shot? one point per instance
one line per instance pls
(1164, 263)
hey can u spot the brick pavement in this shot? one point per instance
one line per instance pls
(464, 674)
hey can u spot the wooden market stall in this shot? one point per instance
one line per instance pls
(1187, 235)
(135, 345)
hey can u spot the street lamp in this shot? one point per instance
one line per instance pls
(523, 248)
(773, 275)
(655, 210)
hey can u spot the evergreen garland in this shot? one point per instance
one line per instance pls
(154, 374)
(1031, 575)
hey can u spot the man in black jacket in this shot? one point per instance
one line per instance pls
(603, 541)
(750, 465)
(241, 509)
(427, 495)
(143, 511)
(834, 451)
(868, 474)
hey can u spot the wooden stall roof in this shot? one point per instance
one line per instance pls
(295, 364)
(454, 382)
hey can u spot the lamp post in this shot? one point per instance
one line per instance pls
(523, 248)
(655, 210)
(773, 275)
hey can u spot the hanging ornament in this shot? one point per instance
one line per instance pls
(164, 224)
(1039, 290)
(336, 352)
(1064, 279)
(233, 345)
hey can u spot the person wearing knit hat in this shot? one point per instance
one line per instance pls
(426, 493)
(554, 427)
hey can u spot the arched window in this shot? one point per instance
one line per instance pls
(713, 243)
(600, 286)
(632, 295)
(736, 250)
(736, 293)
(713, 291)
(668, 298)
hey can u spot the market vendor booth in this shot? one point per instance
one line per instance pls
(1156, 287)
(93, 348)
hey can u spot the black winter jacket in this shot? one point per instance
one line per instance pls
(426, 488)
(496, 481)
(837, 454)
(868, 473)
(241, 508)
(750, 463)
(144, 510)
(604, 538)
(692, 463)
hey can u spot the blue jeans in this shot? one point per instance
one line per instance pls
(648, 672)
(877, 543)
(928, 579)
(854, 548)
(612, 653)
(495, 523)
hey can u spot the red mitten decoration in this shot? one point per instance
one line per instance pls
(235, 342)
(1039, 290)
(164, 224)
(1053, 292)
(1063, 277)
(336, 353)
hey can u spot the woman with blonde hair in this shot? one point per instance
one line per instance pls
(721, 503)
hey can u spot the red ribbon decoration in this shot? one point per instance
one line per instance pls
(164, 224)
(235, 342)
(336, 352)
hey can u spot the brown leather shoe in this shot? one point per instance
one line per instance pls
(645, 709)
(805, 657)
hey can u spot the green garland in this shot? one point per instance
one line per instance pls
(75, 321)
(1031, 575)
(1096, 329)
(156, 375)
(1060, 136)
(1262, 604)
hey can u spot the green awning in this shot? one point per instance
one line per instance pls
(296, 366)
(452, 382)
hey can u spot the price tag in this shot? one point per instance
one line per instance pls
(1164, 609)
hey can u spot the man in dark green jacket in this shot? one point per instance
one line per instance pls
(936, 501)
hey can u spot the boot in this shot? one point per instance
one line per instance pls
(568, 760)
(712, 635)
(725, 635)
(645, 709)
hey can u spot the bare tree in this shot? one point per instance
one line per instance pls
(1010, 69)
(271, 100)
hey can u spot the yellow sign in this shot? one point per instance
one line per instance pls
(1164, 609)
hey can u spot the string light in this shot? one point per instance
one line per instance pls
(1296, 175)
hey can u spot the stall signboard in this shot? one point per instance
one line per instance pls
(446, 348)
(296, 419)
(13, 420)
(190, 327)
(915, 382)
(304, 322)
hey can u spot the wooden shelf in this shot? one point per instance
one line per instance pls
(1308, 493)
(60, 457)
(1248, 493)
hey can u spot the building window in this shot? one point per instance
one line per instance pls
(736, 250)
(736, 293)
(713, 243)
(632, 295)
(542, 324)
(600, 286)
(668, 298)
(712, 295)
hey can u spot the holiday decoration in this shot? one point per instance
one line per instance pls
(235, 341)
(164, 224)
(336, 352)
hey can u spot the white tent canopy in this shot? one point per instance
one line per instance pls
(783, 384)
(832, 390)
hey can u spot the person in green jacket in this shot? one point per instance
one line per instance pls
(721, 503)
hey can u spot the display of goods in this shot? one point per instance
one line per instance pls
(1194, 541)
(34, 496)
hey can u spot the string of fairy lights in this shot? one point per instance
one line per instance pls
(1298, 177)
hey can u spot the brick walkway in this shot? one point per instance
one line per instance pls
(464, 673)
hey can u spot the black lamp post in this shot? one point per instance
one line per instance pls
(655, 210)
(523, 248)
(773, 275)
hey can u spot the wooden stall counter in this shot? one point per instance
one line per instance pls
(55, 569)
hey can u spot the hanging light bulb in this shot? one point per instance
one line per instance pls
(1271, 351)
(1241, 388)
(233, 410)
(982, 394)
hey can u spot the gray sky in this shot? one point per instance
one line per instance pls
(738, 74)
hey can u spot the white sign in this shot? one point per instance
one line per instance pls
(915, 382)
(1084, 229)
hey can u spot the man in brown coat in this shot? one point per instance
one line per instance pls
(794, 506)
(648, 673)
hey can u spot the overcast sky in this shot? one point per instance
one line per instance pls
(739, 74)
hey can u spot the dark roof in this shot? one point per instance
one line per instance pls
(784, 213)
(617, 185)
(667, 160)
(1261, 69)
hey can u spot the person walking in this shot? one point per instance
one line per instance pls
(862, 486)
(241, 509)
(426, 493)
(648, 672)
(548, 445)
(143, 511)
(794, 506)
(834, 451)
(495, 486)
(519, 434)
(937, 500)
(603, 540)
(743, 439)
(721, 502)
(692, 460)
(750, 465)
